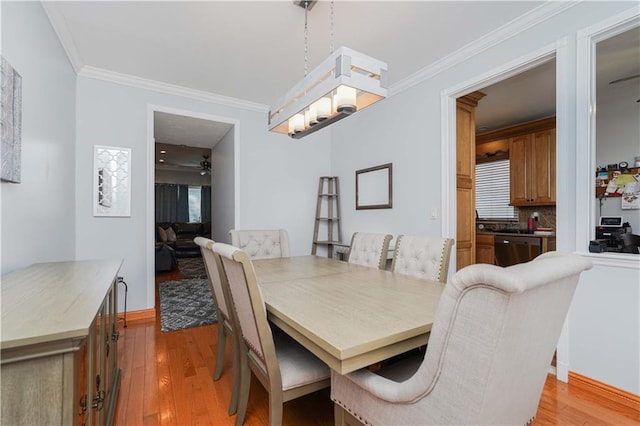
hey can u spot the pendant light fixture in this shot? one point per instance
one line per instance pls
(346, 82)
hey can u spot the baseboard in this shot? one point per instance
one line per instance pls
(623, 397)
(143, 314)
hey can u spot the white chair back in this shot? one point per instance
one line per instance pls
(369, 249)
(227, 325)
(262, 243)
(285, 368)
(422, 257)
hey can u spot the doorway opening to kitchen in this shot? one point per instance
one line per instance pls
(511, 114)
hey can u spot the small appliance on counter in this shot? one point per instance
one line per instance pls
(610, 231)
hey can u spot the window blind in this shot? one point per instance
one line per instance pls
(492, 191)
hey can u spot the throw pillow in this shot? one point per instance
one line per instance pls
(171, 235)
(163, 234)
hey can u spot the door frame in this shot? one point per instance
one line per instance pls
(564, 104)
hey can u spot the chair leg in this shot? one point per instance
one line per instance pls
(339, 415)
(275, 407)
(220, 354)
(245, 384)
(233, 406)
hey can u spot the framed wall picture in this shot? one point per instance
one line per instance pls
(374, 187)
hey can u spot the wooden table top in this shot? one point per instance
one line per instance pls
(51, 302)
(349, 315)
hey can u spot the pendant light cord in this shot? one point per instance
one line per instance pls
(306, 37)
(331, 23)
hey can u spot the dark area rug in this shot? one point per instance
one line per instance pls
(192, 267)
(185, 304)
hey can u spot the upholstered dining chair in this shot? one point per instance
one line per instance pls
(491, 345)
(422, 257)
(285, 368)
(369, 249)
(261, 243)
(226, 322)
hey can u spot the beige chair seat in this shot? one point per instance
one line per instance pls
(298, 366)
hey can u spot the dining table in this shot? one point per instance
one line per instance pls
(348, 315)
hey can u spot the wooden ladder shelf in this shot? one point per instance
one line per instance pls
(327, 222)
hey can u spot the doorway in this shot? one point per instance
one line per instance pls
(198, 151)
(499, 80)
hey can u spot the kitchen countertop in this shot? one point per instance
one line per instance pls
(520, 234)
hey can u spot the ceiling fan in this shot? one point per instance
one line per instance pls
(205, 166)
(620, 80)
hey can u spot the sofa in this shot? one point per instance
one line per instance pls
(179, 236)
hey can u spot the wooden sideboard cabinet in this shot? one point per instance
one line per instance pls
(58, 350)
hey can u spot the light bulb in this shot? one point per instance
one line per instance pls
(346, 99)
(313, 115)
(298, 123)
(323, 108)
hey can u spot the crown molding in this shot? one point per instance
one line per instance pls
(510, 29)
(170, 89)
(61, 29)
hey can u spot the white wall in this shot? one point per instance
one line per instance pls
(222, 188)
(276, 187)
(605, 327)
(406, 130)
(38, 215)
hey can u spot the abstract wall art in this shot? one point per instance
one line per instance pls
(11, 123)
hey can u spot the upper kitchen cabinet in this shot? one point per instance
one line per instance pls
(532, 154)
(533, 169)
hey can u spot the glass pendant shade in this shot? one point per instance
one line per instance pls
(345, 82)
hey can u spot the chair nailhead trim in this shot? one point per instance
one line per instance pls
(363, 421)
(441, 255)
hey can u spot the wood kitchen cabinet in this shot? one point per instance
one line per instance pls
(465, 178)
(533, 169)
(532, 157)
(58, 350)
(485, 252)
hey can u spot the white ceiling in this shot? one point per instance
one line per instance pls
(184, 140)
(253, 51)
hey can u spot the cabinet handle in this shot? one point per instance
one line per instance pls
(98, 400)
(107, 350)
(83, 404)
(115, 334)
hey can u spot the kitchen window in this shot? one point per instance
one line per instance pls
(492, 191)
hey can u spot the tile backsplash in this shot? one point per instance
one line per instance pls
(546, 219)
(546, 216)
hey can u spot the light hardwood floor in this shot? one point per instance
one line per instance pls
(167, 379)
